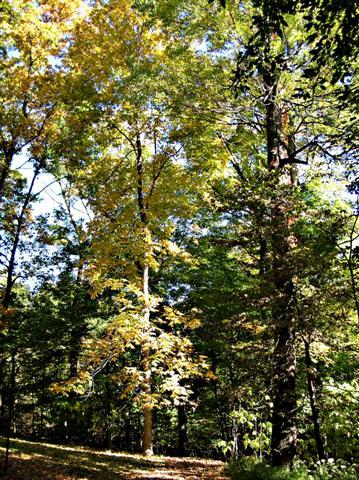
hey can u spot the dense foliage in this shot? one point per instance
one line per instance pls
(179, 230)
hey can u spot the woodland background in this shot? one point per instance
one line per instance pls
(179, 229)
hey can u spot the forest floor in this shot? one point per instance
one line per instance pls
(43, 461)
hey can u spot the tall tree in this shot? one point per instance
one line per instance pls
(137, 187)
(278, 126)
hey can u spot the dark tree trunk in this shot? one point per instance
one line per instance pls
(5, 171)
(108, 438)
(352, 260)
(2, 373)
(108, 400)
(127, 432)
(182, 430)
(284, 431)
(11, 411)
(6, 303)
(313, 402)
(354, 288)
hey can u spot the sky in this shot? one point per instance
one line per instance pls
(50, 196)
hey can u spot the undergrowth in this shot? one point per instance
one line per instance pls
(252, 469)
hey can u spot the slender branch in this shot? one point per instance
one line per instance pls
(133, 145)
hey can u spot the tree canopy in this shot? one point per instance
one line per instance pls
(179, 229)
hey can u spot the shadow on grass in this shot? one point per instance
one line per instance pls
(40, 461)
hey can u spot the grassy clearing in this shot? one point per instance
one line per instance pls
(38, 461)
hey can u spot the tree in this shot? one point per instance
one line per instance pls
(33, 39)
(289, 125)
(136, 190)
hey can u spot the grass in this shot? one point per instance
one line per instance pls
(43, 461)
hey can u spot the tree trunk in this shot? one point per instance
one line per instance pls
(108, 438)
(147, 442)
(284, 431)
(108, 401)
(127, 432)
(182, 430)
(11, 412)
(353, 280)
(78, 329)
(2, 371)
(313, 403)
(5, 171)
(10, 281)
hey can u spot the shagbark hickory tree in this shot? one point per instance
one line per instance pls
(292, 138)
(281, 118)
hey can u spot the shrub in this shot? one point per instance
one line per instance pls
(250, 468)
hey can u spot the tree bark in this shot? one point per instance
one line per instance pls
(354, 288)
(147, 436)
(284, 430)
(147, 441)
(2, 370)
(5, 171)
(182, 430)
(351, 265)
(128, 432)
(11, 412)
(108, 419)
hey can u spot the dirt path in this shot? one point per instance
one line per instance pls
(40, 461)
